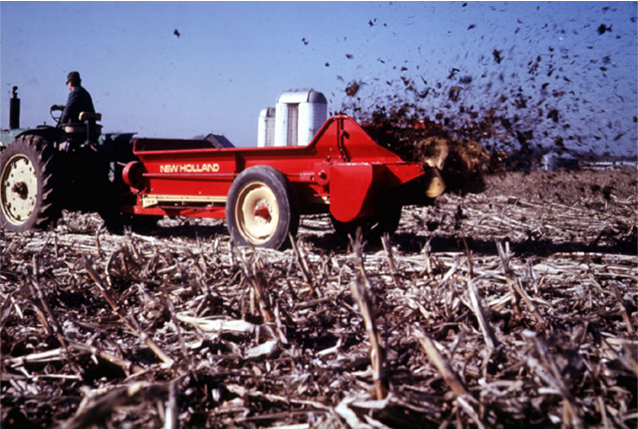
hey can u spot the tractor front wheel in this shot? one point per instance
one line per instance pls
(261, 208)
(28, 198)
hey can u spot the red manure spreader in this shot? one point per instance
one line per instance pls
(261, 192)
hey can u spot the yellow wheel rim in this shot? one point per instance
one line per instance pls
(257, 213)
(19, 189)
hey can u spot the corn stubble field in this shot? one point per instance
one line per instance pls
(516, 306)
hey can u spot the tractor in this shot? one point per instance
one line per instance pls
(66, 166)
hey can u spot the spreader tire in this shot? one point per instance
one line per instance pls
(28, 195)
(261, 208)
(385, 219)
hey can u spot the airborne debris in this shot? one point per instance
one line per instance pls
(352, 89)
(602, 29)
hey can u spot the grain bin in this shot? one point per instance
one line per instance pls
(266, 127)
(298, 117)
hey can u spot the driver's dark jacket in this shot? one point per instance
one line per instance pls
(79, 101)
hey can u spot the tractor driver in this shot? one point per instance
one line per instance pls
(79, 100)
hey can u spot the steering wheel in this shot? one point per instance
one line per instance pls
(56, 118)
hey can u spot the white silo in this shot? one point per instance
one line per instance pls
(312, 116)
(298, 117)
(266, 127)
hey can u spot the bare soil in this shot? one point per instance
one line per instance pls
(517, 306)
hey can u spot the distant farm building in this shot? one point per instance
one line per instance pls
(556, 161)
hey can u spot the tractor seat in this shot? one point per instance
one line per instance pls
(74, 128)
(86, 128)
(87, 116)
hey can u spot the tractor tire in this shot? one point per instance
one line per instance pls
(385, 219)
(261, 209)
(29, 197)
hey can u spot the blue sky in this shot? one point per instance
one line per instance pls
(233, 59)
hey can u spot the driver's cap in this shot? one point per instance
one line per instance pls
(74, 77)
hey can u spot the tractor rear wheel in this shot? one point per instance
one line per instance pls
(261, 209)
(28, 196)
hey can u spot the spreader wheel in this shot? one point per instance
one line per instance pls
(28, 198)
(261, 208)
(385, 219)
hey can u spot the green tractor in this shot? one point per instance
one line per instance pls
(67, 166)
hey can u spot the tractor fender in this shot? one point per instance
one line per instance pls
(354, 190)
(48, 133)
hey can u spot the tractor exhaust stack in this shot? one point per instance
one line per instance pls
(14, 110)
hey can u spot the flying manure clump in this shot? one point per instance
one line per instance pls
(462, 163)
